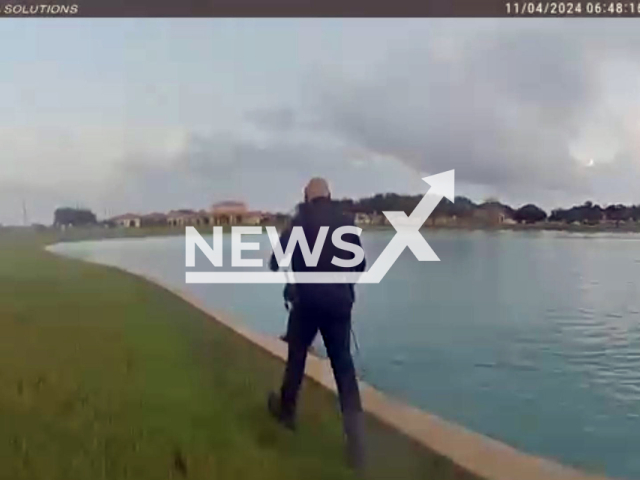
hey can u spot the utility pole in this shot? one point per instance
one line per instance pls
(25, 216)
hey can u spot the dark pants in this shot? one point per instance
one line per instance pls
(335, 328)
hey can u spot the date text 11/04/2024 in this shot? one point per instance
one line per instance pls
(572, 8)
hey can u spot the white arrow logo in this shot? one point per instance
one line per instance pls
(408, 228)
(407, 235)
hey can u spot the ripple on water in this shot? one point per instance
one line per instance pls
(626, 393)
(571, 317)
(398, 360)
(508, 365)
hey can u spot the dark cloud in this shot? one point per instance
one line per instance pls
(502, 111)
(503, 106)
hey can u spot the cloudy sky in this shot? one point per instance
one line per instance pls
(143, 115)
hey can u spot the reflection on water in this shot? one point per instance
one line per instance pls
(533, 338)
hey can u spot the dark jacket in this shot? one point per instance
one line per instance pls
(311, 216)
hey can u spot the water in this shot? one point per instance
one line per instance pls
(529, 337)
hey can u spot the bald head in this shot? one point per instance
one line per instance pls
(317, 188)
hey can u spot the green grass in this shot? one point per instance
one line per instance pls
(104, 375)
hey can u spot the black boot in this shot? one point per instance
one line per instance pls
(275, 408)
(353, 423)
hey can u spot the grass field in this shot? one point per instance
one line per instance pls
(104, 375)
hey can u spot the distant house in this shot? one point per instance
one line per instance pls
(201, 217)
(379, 219)
(224, 213)
(180, 218)
(363, 219)
(177, 218)
(153, 220)
(492, 214)
(134, 220)
(229, 213)
(275, 219)
(254, 217)
(441, 221)
(128, 220)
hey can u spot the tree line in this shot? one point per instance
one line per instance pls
(463, 207)
(592, 213)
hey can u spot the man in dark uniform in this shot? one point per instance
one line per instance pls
(289, 295)
(325, 308)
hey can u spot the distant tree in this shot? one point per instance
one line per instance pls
(590, 213)
(381, 202)
(587, 213)
(558, 215)
(73, 216)
(529, 214)
(347, 204)
(499, 206)
(463, 207)
(618, 213)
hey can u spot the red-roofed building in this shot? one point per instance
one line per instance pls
(229, 213)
